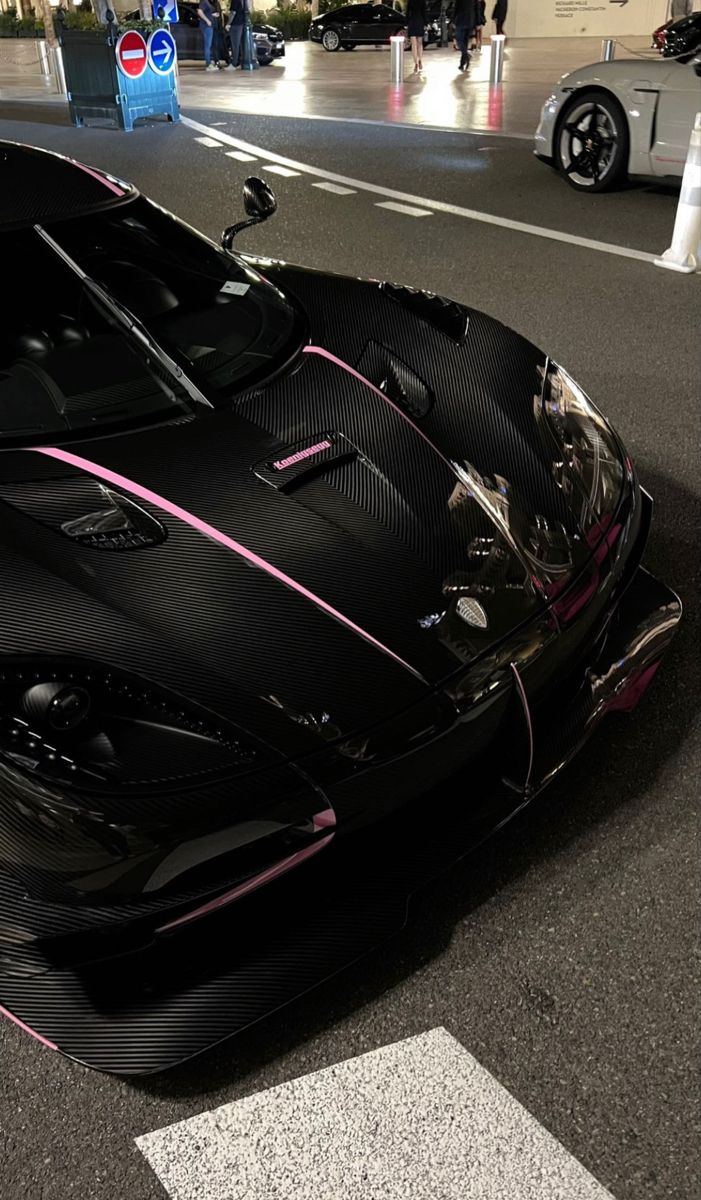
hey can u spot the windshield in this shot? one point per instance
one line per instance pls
(128, 317)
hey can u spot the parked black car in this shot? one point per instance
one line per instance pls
(274, 36)
(188, 39)
(676, 39)
(364, 25)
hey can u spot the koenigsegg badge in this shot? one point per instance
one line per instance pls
(472, 612)
(283, 463)
(292, 463)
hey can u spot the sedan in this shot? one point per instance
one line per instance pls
(612, 120)
(364, 25)
(307, 584)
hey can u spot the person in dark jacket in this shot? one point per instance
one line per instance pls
(464, 19)
(234, 27)
(417, 20)
(499, 14)
(480, 21)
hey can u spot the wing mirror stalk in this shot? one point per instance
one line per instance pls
(259, 202)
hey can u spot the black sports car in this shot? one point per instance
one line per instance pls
(308, 583)
(364, 25)
(679, 39)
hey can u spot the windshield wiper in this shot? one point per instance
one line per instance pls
(128, 322)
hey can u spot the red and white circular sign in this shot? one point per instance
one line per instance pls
(131, 54)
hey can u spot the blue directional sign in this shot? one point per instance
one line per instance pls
(161, 52)
(169, 13)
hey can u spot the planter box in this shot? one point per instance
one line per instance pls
(98, 92)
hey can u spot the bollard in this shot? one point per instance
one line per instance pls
(396, 58)
(58, 71)
(608, 49)
(496, 61)
(685, 252)
(44, 64)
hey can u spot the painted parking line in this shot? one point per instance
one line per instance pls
(408, 209)
(241, 155)
(276, 169)
(335, 189)
(456, 210)
(416, 1120)
(210, 142)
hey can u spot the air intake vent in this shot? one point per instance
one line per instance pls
(87, 512)
(393, 377)
(448, 316)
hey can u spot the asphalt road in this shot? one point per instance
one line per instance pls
(565, 956)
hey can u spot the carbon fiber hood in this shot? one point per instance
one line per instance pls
(324, 544)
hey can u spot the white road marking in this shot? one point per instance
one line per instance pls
(241, 155)
(419, 1119)
(335, 189)
(407, 209)
(456, 210)
(275, 169)
(388, 125)
(209, 141)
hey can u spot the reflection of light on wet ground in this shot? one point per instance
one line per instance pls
(311, 82)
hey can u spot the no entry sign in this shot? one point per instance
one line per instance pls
(131, 54)
(161, 52)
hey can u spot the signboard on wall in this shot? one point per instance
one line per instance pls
(585, 18)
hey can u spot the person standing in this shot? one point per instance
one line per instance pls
(416, 24)
(499, 14)
(219, 54)
(205, 14)
(465, 20)
(480, 21)
(235, 27)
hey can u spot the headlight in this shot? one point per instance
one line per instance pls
(592, 469)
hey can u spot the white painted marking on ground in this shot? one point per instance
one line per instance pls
(276, 169)
(407, 209)
(241, 155)
(210, 142)
(335, 189)
(456, 210)
(461, 130)
(417, 1120)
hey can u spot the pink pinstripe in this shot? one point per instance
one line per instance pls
(319, 350)
(188, 518)
(27, 1029)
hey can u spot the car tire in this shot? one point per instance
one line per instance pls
(591, 141)
(330, 39)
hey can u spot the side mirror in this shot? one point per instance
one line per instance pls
(259, 202)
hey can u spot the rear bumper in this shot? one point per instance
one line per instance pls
(150, 999)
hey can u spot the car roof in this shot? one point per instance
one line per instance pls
(39, 185)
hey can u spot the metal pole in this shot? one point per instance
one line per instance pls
(249, 57)
(396, 58)
(44, 65)
(608, 49)
(496, 61)
(59, 73)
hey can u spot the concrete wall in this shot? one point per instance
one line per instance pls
(585, 18)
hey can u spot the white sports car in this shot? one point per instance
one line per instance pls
(631, 116)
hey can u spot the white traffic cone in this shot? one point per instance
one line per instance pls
(685, 252)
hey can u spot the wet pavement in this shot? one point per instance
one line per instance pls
(309, 82)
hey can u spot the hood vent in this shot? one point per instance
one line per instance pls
(393, 377)
(447, 316)
(87, 512)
